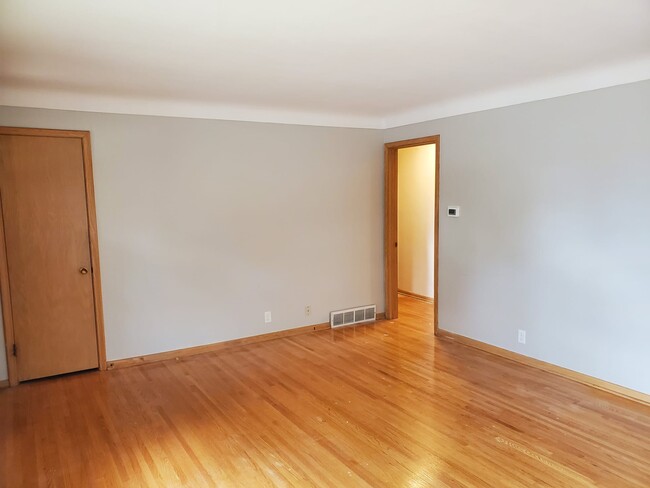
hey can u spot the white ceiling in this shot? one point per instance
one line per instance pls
(364, 63)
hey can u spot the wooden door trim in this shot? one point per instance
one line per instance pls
(390, 222)
(7, 311)
(5, 294)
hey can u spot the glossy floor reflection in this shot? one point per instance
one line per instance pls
(377, 405)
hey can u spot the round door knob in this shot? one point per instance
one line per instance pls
(83, 270)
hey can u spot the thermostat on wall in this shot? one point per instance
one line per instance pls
(453, 211)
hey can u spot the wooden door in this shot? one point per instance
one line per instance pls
(47, 249)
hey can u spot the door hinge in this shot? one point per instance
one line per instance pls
(15, 350)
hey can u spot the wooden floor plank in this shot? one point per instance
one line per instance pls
(386, 404)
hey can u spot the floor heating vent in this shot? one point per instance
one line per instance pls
(351, 316)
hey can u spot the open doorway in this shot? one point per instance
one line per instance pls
(411, 226)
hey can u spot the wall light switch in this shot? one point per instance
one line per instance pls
(453, 211)
(267, 317)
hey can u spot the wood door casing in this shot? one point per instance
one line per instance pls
(45, 215)
(390, 223)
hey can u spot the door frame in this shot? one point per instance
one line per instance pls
(5, 288)
(390, 223)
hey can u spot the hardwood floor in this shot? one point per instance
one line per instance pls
(379, 405)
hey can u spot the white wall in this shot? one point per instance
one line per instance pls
(204, 225)
(554, 233)
(416, 195)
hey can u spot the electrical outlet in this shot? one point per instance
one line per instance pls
(521, 337)
(307, 310)
(267, 317)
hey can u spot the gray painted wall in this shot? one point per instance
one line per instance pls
(205, 225)
(554, 233)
